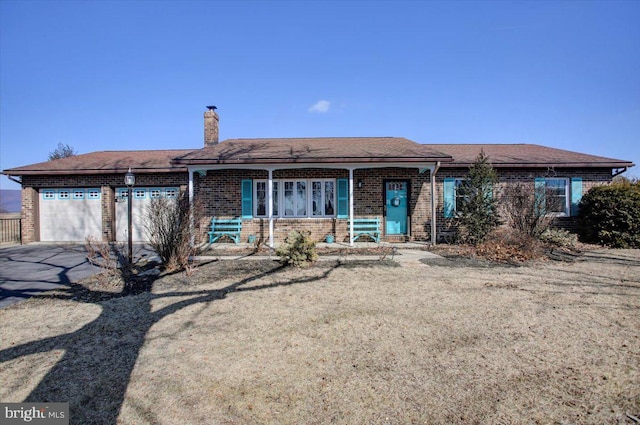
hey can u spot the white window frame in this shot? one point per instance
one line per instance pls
(458, 181)
(567, 197)
(279, 198)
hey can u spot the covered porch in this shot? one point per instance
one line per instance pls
(363, 193)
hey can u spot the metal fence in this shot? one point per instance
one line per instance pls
(10, 227)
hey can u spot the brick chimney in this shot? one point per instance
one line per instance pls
(211, 126)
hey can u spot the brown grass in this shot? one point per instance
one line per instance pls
(440, 342)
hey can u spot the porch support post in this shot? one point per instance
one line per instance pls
(192, 236)
(434, 226)
(350, 206)
(270, 205)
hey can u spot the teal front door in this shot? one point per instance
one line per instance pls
(396, 207)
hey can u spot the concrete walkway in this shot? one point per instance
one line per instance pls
(406, 254)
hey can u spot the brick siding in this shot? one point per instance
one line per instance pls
(219, 195)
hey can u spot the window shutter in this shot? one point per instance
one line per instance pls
(343, 198)
(247, 199)
(449, 190)
(576, 195)
(540, 187)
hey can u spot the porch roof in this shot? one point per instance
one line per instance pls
(325, 150)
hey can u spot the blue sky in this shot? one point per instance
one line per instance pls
(118, 75)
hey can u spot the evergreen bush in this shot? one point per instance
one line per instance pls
(610, 215)
(298, 250)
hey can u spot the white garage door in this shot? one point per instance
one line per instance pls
(142, 197)
(70, 215)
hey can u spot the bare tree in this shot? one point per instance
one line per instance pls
(62, 151)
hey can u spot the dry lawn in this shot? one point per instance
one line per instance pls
(242, 342)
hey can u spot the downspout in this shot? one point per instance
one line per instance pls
(433, 204)
(13, 179)
(618, 172)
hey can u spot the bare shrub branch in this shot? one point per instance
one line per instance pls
(526, 211)
(167, 223)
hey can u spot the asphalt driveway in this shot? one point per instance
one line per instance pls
(27, 270)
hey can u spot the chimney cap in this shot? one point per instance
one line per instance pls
(212, 108)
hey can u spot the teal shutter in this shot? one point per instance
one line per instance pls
(449, 196)
(247, 199)
(540, 188)
(576, 195)
(343, 198)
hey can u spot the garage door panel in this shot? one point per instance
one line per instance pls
(70, 215)
(142, 198)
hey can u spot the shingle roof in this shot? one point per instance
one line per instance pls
(314, 150)
(525, 155)
(317, 150)
(106, 162)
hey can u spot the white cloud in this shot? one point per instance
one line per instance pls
(320, 107)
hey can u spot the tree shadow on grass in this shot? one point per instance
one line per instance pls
(94, 371)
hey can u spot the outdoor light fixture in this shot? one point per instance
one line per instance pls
(129, 180)
(359, 183)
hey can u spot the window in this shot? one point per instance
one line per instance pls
(295, 198)
(139, 193)
(155, 193)
(64, 194)
(49, 194)
(298, 198)
(459, 199)
(93, 194)
(171, 193)
(553, 195)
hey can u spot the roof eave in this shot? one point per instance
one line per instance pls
(545, 165)
(18, 172)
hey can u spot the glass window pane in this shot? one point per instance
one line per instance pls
(288, 199)
(556, 195)
(261, 202)
(329, 198)
(317, 207)
(301, 199)
(275, 198)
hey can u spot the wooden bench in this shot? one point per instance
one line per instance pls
(225, 227)
(366, 227)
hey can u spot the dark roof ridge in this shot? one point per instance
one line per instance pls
(315, 138)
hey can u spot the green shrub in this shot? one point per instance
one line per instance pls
(559, 237)
(610, 215)
(298, 250)
(478, 209)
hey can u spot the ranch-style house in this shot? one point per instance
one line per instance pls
(273, 186)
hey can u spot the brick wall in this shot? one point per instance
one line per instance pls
(219, 195)
(590, 177)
